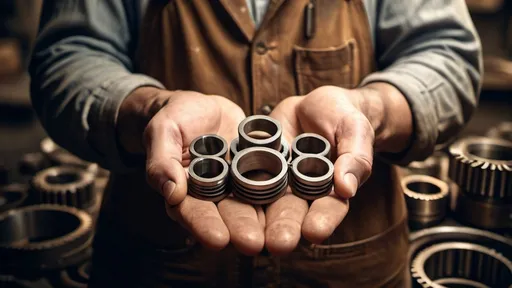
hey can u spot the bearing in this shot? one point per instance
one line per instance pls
(208, 145)
(260, 123)
(311, 176)
(208, 178)
(261, 191)
(310, 143)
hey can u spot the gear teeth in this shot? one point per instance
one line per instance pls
(482, 176)
(65, 185)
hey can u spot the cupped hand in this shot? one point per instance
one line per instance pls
(349, 120)
(172, 121)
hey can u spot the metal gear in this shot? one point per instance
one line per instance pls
(40, 238)
(459, 265)
(65, 185)
(482, 168)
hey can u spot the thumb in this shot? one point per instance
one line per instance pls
(354, 138)
(164, 170)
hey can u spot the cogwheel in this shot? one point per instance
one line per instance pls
(65, 185)
(482, 167)
(460, 264)
(43, 237)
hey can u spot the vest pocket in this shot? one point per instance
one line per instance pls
(315, 67)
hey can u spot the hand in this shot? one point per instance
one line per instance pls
(354, 122)
(170, 121)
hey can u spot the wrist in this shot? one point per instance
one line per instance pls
(135, 112)
(390, 115)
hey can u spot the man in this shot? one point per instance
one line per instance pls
(129, 84)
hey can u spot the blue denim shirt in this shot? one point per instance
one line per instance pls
(82, 69)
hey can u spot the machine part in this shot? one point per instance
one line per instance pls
(72, 277)
(482, 168)
(259, 123)
(12, 196)
(310, 143)
(60, 156)
(9, 281)
(208, 178)
(311, 176)
(260, 191)
(285, 149)
(501, 131)
(40, 238)
(31, 163)
(482, 214)
(425, 238)
(208, 145)
(436, 166)
(462, 264)
(427, 200)
(65, 185)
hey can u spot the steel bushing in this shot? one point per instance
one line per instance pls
(501, 131)
(436, 166)
(310, 143)
(311, 176)
(268, 132)
(208, 145)
(12, 196)
(208, 178)
(461, 264)
(285, 149)
(270, 170)
(427, 199)
(65, 185)
(40, 238)
(482, 168)
(448, 256)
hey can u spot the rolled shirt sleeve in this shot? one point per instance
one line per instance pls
(81, 71)
(430, 51)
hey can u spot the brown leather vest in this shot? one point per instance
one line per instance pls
(213, 47)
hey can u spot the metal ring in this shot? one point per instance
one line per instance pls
(259, 192)
(208, 145)
(427, 199)
(285, 149)
(259, 123)
(65, 185)
(310, 143)
(12, 196)
(43, 238)
(501, 131)
(208, 178)
(312, 176)
(482, 168)
(469, 264)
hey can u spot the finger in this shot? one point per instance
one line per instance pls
(246, 232)
(324, 216)
(164, 170)
(354, 138)
(202, 220)
(284, 221)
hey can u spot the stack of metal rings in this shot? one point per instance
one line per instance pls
(208, 171)
(259, 164)
(312, 172)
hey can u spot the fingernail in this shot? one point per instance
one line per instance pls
(351, 183)
(168, 189)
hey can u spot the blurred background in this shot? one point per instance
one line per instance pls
(23, 154)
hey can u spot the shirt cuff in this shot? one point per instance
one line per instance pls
(102, 119)
(417, 94)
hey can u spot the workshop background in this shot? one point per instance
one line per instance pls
(455, 198)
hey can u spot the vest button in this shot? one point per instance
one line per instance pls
(261, 48)
(266, 109)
